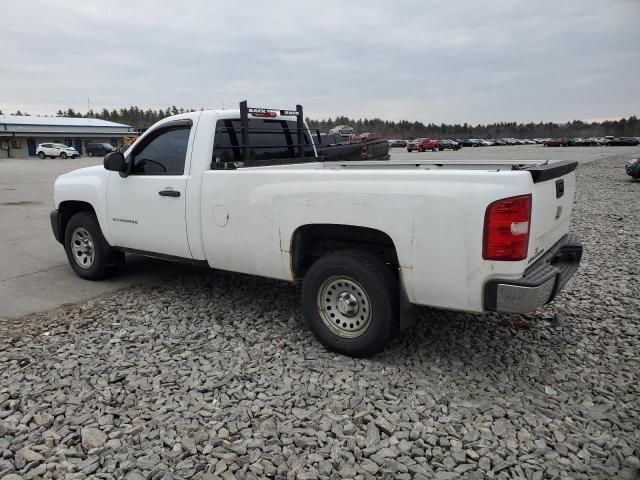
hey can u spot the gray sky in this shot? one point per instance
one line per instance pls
(432, 61)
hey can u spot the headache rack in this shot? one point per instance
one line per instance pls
(245, 147)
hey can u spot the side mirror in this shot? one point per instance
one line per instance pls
(114, 161)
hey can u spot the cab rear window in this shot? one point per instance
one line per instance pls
(268, 139)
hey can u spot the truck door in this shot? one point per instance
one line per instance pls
(146, 209)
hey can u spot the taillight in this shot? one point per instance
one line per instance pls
(506, 229)
(364, 153)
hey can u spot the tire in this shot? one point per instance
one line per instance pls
(84, 227)
(41, 156)
(63, 156)
(359, 281)
(91, 154)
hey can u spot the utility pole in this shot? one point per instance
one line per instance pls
(88, 104)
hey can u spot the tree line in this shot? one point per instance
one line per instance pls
(625, 127)
(142, 119)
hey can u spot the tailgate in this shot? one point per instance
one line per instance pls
(554, 186)
(376, 149)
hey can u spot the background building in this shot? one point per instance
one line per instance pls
(21, 134)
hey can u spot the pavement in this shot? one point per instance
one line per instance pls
(35, 275)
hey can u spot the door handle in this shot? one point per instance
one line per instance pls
(169, 193)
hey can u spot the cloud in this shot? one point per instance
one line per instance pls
(462, 61)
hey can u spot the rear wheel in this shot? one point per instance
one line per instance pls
(91, 154)
(42, 156)
(88, 252)
(350, 302)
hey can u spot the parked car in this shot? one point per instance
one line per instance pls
(556, 142)
(366, 241)
(413, 145)
(583, 142)
(99, 149)
(469, 142)
(345, 131)
(633, 168)
(396, 143)
(54, 150)
(422, 144)
(448, 145)
(623, 142)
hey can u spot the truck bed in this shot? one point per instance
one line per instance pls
(433, 211)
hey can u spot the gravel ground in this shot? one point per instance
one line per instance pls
(212, 375)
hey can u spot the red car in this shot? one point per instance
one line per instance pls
(556, 142)
(422, 144)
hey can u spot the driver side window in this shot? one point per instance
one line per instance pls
(163, 152)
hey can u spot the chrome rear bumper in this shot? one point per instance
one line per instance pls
(540, 283)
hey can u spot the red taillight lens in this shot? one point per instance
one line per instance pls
(364, 153)
(506, 229)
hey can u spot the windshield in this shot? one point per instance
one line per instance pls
(60, 145)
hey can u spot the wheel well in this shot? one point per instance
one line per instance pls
(310, 242)
(68, 209)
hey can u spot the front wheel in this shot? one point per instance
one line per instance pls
(88, 252)
(63, 156)
(350, 302)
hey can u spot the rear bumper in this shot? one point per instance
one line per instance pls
(540, 283)
(56, 225)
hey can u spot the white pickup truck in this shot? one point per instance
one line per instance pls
(244, 191)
